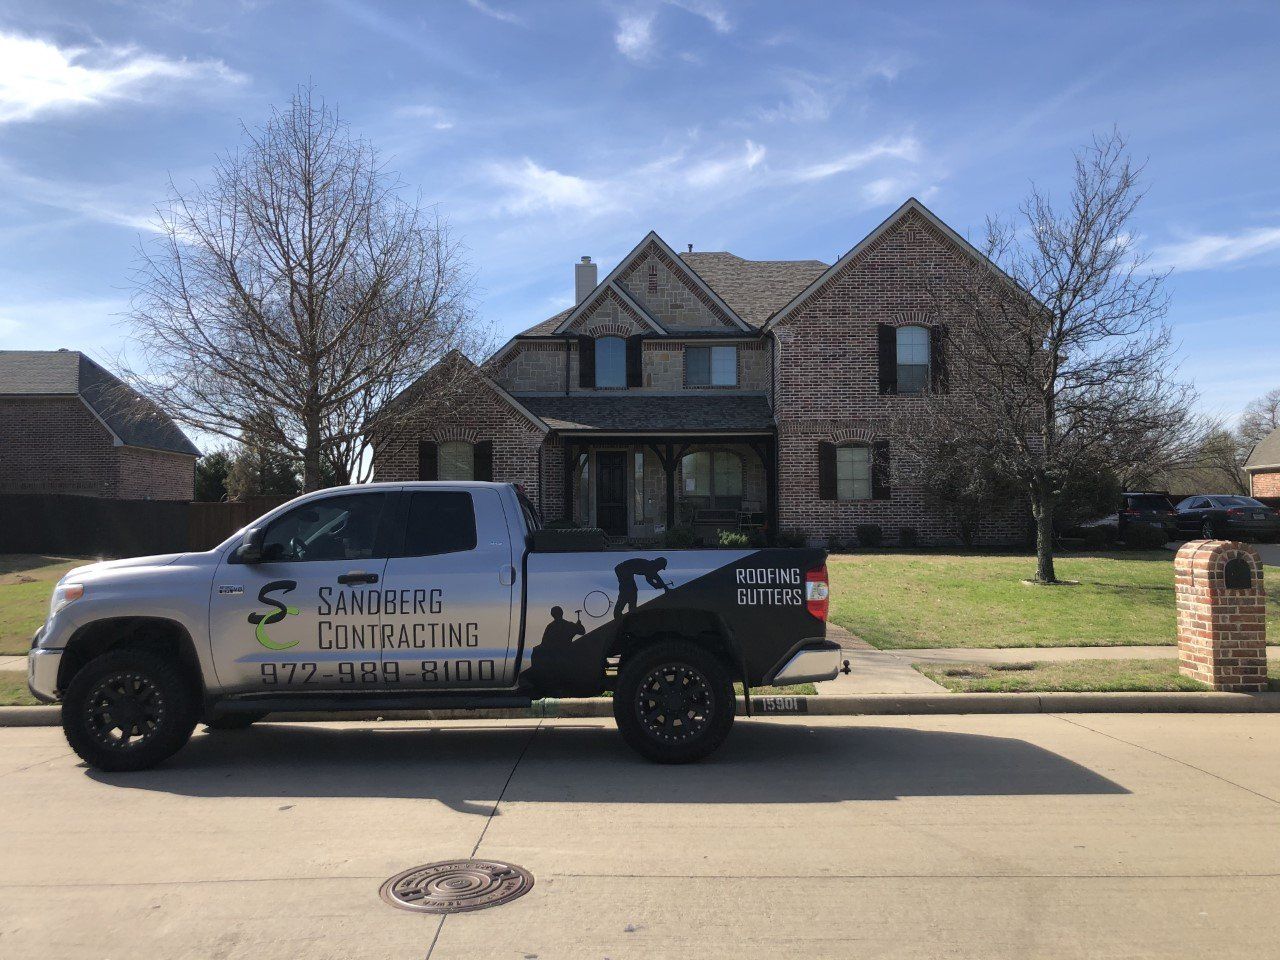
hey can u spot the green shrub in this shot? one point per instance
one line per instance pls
(907, 537)
(1144, 536)
(679, 538)
(733, 538)
(789, 538)
(869, 534)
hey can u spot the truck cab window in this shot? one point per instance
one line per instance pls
(440, 521)
(337, 528)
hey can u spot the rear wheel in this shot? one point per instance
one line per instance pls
(674, 702)
(128, 710)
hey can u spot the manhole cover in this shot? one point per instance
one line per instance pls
(453, 886)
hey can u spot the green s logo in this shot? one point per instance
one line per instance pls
(275, 616)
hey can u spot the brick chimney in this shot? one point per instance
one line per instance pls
(584, 280)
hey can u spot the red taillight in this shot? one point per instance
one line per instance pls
(1235, 512)
(816, 592)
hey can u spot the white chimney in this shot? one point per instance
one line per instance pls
(584, 280)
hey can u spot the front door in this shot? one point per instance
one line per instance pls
(308, 616)
(447, 616)
(611, 492)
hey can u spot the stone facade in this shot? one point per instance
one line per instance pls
(657, 284)
(56, 445)
(1222, 624)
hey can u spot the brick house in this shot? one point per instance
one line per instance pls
(1263, 468)
(705, 390)
(69, 426)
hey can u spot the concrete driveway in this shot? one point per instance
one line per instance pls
(982, 836)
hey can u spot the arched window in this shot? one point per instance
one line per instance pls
(457, 460)
(853, 472)
(913, 359)
(611, 362)
(712, 474)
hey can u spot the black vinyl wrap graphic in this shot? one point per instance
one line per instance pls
(759, 598)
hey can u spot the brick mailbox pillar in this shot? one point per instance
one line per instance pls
(1222, 627)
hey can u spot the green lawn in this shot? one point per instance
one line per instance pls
(13, 690)
(1072, 676)
(898, 599)
(26, 583)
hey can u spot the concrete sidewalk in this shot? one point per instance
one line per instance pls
(873, 671)
(979, 836)
(1046, 654)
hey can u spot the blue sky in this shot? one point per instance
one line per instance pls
(550, 130)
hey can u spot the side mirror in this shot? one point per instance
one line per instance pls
(250, 549)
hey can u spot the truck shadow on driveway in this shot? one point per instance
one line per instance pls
(762, 762)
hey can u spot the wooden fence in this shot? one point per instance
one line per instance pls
(67, 525)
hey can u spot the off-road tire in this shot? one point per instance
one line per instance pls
(691, 673)
(163, 699)
(233, 721)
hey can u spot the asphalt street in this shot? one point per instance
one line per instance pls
(962, 836)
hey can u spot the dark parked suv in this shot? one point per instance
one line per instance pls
(1148, 509)
(1214, 516)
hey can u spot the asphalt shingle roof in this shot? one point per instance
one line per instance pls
(1267, 452)
(134, 419)
(755, 289)
(641, 414)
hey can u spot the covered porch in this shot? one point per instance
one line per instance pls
(638, 488)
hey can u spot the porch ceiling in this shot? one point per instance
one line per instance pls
(648, 415)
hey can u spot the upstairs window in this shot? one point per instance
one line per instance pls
(913, 360)
(711, 366)
(611, 362)
(457, 461)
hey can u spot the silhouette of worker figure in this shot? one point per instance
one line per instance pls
(627, 572)
(557, 641)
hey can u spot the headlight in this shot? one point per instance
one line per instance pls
(63, 594)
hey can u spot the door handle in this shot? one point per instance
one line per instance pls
(506, 575)
(358, 576)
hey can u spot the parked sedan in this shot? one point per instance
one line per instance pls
(1148, 509)
(1214, 516)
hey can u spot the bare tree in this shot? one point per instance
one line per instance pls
(288, 301)
(1259, 419)
(1059, 342)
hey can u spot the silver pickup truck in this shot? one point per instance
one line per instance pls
(423, 595)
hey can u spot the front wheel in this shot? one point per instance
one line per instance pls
(1206, 530)
(674, 702)
(128, 710)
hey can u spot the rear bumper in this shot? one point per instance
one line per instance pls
(810, 661)
(42, 673)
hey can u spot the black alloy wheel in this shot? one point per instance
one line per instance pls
(674, 702)
(1206, 530)
(128, 710)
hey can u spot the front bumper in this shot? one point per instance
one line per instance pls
(810, 662)
(42, 673)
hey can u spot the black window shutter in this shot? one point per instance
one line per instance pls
(888, 351)
(938, 359)
(586, 362)
(483, 460)
(826, 471)
(635, 363)
(880, 470)
(428, 460)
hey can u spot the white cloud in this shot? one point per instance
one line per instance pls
(710, 173)
(903, 148)
(506, 16)
(1210, 250)
(38, 77)
(436, 117)
(531, 188)
(809, 99)
(111, 204)
(709, 10)
(635, 35)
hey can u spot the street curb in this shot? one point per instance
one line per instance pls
(875, 704)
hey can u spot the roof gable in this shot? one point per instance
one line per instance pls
(655, 243)
(1266, 453)
(456, 357)
(910, 207)
(611, 291)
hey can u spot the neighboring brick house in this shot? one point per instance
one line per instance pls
(704, 390)
(1263, 468)
(69, 426)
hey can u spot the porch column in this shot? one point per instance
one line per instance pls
(669, 467)
(569, 465)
